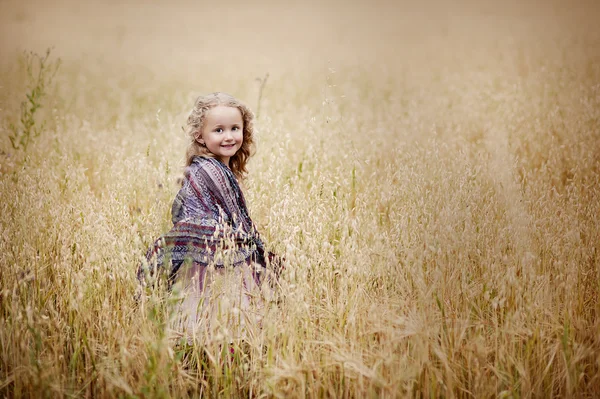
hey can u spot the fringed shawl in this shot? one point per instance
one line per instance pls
(211, 223)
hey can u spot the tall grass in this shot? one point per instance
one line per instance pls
(436, 197)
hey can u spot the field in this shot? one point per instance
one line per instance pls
(431, 173)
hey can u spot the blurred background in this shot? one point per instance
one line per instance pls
(185, 40)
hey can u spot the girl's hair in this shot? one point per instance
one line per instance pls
(195, 122)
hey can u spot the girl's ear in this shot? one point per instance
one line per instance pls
(198, 137)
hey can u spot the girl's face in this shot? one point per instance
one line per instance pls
(223, 132)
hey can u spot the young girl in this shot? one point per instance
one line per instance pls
(212, 230)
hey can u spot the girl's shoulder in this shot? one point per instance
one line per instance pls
(208, 168)
(200, 161)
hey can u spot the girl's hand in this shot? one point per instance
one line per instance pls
(276, 262)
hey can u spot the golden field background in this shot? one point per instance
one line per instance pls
(431, 173)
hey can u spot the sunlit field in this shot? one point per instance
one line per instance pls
(430, 172)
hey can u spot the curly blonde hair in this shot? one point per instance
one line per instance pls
(195, 121)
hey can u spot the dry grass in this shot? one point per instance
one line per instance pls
(431, 173)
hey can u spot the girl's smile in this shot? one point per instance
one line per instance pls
(222, 132)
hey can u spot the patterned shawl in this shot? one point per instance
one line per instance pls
(211, 223)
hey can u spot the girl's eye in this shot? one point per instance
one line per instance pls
(235, 128)
(218, 130)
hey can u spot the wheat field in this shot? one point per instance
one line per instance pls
(430, 171)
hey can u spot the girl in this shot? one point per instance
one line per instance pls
(212, 229)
